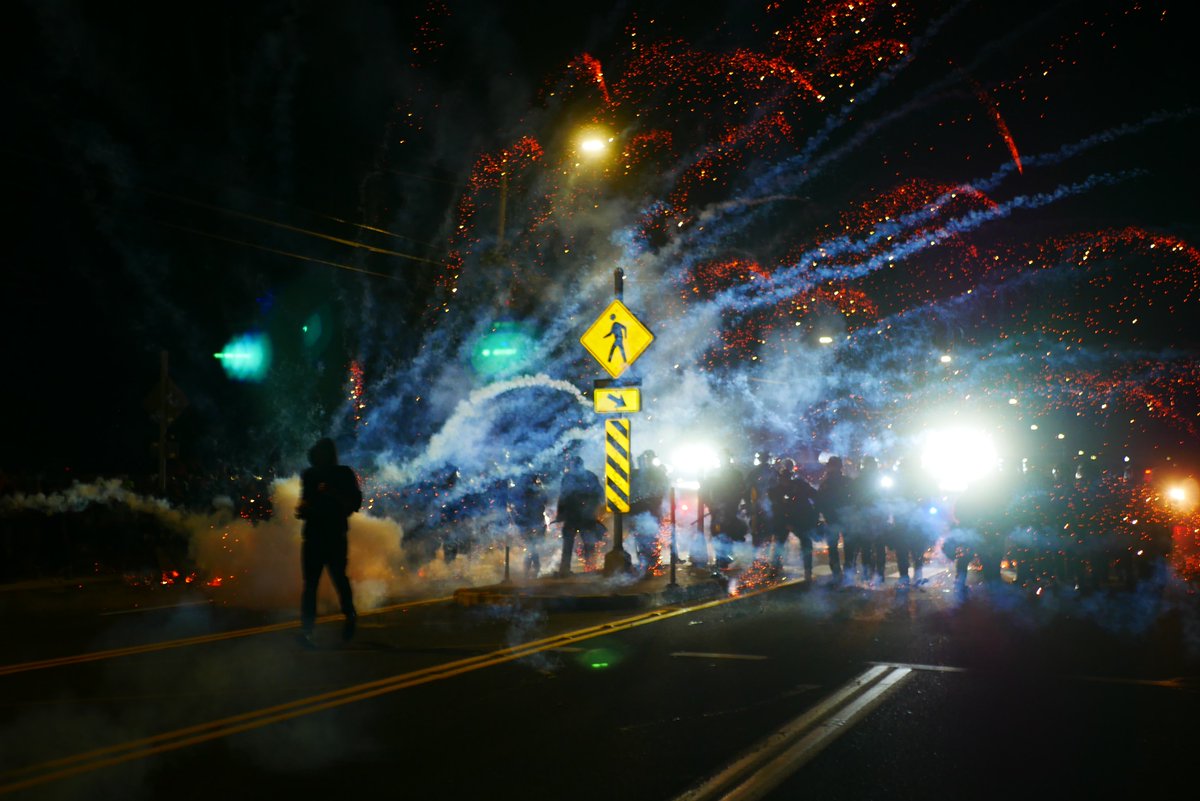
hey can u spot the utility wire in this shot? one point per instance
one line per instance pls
(268, 249)
(293, 228)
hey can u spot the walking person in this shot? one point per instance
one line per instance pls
(833, 502)
(763, 517)
(723, 491)
(527, 508)
(794, 501)
(329, 494)
(867, 525)
(648, 489)
(579, 498)
(910, 528)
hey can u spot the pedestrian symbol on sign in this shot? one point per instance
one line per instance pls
(616, 339)
(617, 332)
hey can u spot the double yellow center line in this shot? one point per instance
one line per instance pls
(66, 767)
(132, 650)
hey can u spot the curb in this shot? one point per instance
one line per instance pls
(538, 597)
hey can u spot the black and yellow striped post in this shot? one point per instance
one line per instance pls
(616, 464)
(617, 472)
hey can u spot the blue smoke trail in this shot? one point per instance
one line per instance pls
(801, 277)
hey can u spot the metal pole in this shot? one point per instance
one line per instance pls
(162, 423)
(503, 209)
(674, 550)
(619, 283)
(506, 547)
(699, 554)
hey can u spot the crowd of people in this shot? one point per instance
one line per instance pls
(1081, 528)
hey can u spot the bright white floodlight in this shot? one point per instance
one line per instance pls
(690, 462)
(957, 457)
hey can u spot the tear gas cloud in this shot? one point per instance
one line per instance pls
(256, 563)
(761, 193)
(935, 266)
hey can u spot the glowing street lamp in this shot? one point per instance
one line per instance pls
(592, 144)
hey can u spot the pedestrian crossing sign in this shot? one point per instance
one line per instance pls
(616, 339)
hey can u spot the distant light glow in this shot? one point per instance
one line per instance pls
(690, 461)
(1184, 495)
(957, 457)
(246, 357)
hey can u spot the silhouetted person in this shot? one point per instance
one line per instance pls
(833, 502)
(579, 498)
(982, 512)
(723, 491)
(864, 534)
(648, 488)
(329, 494)
(527, 507)
(763, 515)
(911, 524)
(793, 503)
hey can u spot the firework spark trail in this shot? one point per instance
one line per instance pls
(994, 110)
(802, 277)
(687, 323)
(796, 170)
(704, 239)
(998, 367)
(1073, 149)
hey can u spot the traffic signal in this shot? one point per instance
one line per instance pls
(246, 357)
(505, 348)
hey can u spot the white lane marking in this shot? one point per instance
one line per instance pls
(928, 668)
(773, 759)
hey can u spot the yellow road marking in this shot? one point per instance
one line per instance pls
(112, 653)
(66, 767)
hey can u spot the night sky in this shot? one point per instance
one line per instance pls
(178, 175)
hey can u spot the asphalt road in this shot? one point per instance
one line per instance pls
(861, 693)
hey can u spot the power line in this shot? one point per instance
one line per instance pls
(269, 249)
(263, 220)
(293, 228)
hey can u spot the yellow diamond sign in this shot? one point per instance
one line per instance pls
(616, 339)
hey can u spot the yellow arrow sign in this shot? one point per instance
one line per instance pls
(616, 339)
(617, 400)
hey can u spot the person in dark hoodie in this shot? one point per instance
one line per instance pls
(329, 494)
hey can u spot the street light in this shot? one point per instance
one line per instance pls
(1182, 495)
(592, 143)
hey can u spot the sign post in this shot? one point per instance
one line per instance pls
(165, 402)
(616, 339)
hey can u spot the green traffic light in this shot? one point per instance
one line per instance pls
(246, 357)
(505, 349)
